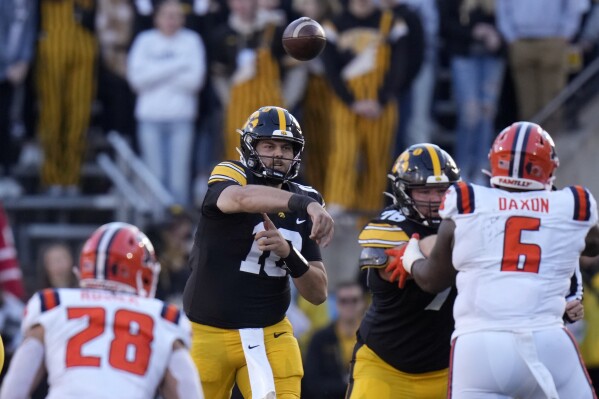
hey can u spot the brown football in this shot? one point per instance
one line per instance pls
(304, 39)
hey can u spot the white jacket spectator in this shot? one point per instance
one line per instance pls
(166, 68)
(167, 73)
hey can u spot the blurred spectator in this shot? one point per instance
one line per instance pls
(588, 347)
(11, 314)
(55, 267)
(173, 246)
(365, 61)
(285, 8)
(477, 67)
(247, 69)
(415, 44)
(203, 17)
(318, 317)
(66, 81)
(166, 68)
(329, 353)
(114, 24)
(423, 22)
(588, 39)
(10, 271)
(316, 104)
(538, 32)
(17, 36)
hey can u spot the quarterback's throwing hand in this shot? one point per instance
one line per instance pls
(395, 266)
(322, 224)
(271, 239)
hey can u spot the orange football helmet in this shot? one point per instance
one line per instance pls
(119, 257)
(523, 157)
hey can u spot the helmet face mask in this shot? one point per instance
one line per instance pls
(271, 123)
(421, 166)
(523, 157)
(119, 257)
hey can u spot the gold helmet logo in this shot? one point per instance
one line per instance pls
(402, 162)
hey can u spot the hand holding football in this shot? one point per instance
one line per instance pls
(304, 39)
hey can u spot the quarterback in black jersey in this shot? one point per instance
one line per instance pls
(256, 228)
(404, 339)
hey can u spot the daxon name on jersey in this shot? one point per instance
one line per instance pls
(526, 204)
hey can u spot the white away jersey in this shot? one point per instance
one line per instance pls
(515, 254)
(101, 344)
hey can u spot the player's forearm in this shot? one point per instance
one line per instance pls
(181, 377)
(312, 285)
(25, 371)
(253, 199)
(425, 277)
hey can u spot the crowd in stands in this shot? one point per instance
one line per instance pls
(69, 64)
(177, 78)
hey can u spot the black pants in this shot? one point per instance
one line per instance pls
(118, 103)
(6, 147)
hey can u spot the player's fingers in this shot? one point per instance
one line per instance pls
(264, 234)
(322, 229)
(402, 280)
(316, 232)
(328, 236)
(268, 224)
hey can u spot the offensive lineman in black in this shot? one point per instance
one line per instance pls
(256, 227)
(404, 339)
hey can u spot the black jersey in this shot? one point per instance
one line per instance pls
(408, 328)
(233, 284)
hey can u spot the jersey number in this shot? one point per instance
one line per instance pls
(257, 260)
(519, 256)
(129, 349)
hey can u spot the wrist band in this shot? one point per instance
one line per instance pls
(299, 202)
(296, 263)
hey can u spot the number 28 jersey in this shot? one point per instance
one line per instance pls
(515, 253)
(100, 344)
(233, 284)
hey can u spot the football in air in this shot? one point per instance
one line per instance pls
(304, 39)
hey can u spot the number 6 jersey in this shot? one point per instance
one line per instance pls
(515, 253)
(104, 344)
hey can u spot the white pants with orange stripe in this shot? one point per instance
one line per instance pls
(529, 365)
